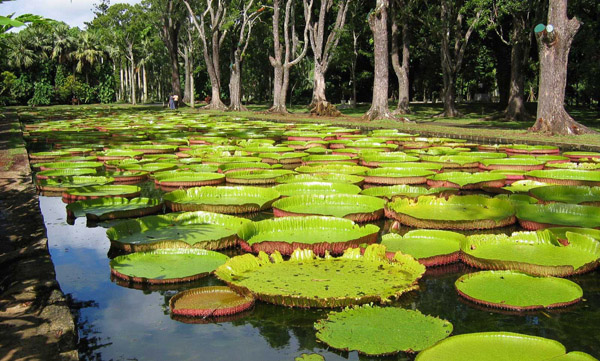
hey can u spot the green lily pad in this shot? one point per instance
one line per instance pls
(321, 177)
(404, 191)
(102, 209)
(166, 265)
(531, 149)
(413, 165)
(113, 154)
(495, 346)
(561, 232)
(324, 188)
(568, 194)
(375, 331)
(391, 157)
(453, 161)
(570, 165)
(429, 247)
(524, 186)
(310, 357)
(358, 208)
(187, 179)
(100, 191)
(537, 253)
(68, 172)
(230, 167)
(512, 164)
(306, 281)
(63, 165)
(319, 234)
(466, 180)
(204, 230)
(566, 176)
(540, 216)
(517, 291)
(397, 175)
(261, 176)
(456, 212)
(333, 168)
(60, 184)
(240, 199)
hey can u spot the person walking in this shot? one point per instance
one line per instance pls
(171, 102)
(176, 101)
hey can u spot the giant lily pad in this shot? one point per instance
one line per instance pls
(166, 265)
(568, 194)
(429, 247)
(295, 189)
(537, 253)
(512, 164)
(355, 207)
(497, 346)
(374, 160)
(204, 230)
(540, 216)
(241, 199)
(262, 176)
(68, 172)
(93, 192)
(183, 179)
(63, 165)
(467, 180)
(319, 234)
(282, 158)
(60, 184)
(397, 175)
(321, 177)
(113, 207)
(374, 331)
(531, 149)
(456, 212)
(453, 161)
(517, 291)
(306, 281)
(215, 301)
(333, 168)
(404, 191)
(572, 177)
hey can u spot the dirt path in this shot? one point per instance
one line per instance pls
(35, 320)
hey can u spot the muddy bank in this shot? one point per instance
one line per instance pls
(35, 320)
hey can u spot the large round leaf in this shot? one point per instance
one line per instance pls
(241, 199)
(517, 291)
(320, 177)
(215, 301)
(306, 281)
(404, 191)
(397, 175)
(113, 207)
(294, 189)
(456, 212)
(319, 234)
(568, 194)
(178, 230)
(373, 330)
(355, 207)
(429, 247)
(537, 253)
(466, 180)
(92, 192)
(566, 176)
(539, 216)
(166, 265)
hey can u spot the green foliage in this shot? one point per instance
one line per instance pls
(42, 94)
(22, 88)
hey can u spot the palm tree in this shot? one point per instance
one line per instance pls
(63, 43)
(19, 53)
(87, 52)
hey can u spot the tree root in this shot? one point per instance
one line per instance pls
(564, 126)
(324, 109)
(378, 113)
(215, 105)
(237, 108)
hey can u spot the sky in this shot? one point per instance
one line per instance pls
(72, 12)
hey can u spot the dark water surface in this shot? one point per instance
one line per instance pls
(120, 323)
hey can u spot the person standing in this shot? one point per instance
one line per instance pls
(171, 102)
(176, 101)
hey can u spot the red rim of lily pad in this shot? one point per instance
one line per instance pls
(201, 302)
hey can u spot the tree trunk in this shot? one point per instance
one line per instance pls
(554, 46)
(145, 96)
(401, 70)
(319, 105)
(449, 95)
(353, 66)
(122, 79)
(132, 81)
(192, 90)
(186, 66)
(516, 101)
(235, 84)
(170, 36)
(378, 24)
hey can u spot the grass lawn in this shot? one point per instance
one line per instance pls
(480, 122)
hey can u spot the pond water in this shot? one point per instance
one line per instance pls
(120, 323)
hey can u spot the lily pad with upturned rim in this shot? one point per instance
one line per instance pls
(512, 164)
(568, 194)
(113, 207)
(333, 168)
(405, 191)
(93, 192)
(466, 180)
(358, 208)
(571, 177)
(539, 216)
(319, 234)
(203, 230)
(517, 291)
(240, 199)
(377, 331)
(429, 247)
(187, 179)
(68, 172)
(303, 188)
(261, 176)
(537, 253)
(495, 346)
(318, 177)
(456, 212)
(214, 301)
(394, 176)
(166, 265)
(306, 281)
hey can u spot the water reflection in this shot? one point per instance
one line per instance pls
(125, 321)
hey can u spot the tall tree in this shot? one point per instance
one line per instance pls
(399, 13)
(323, 50)
(554, 43)
(456, 29)
(244, 21)
(378, 24)
(209, 24)
(282, 59)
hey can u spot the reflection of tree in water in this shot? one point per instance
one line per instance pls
(277, 324)
(89, 344)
